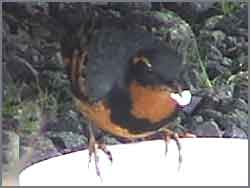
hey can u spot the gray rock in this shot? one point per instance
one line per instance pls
(242, 119)
(240, 81)
(70, 122)
(211, 114)
(210, 23)
(215, 69)
(226, 105)
(10, 147)
(10, 124)
(24, 150)
(40, 146)
(230, 24)
(227, 121)
(211, 99)
(110, 140)
(235, 132)
(214, 53)
(234, 119)
(241, 105)
(207, 129)
(44, 149)
(67, 140)
(198, 119)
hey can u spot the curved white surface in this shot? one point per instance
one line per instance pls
(206, 161)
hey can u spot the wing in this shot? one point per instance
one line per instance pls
(108, 55)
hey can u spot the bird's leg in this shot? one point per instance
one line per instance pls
(103, 147)
(101, 144)
(178, 144)
(167, 139)
(94, 145)
(167, 136)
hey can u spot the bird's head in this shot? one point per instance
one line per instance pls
(161, 69)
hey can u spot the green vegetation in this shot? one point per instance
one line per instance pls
(27, 111)
(228, 7)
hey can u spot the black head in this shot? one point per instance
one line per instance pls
(156, 67)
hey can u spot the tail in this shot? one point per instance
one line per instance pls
(76, 67)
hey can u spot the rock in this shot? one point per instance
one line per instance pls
(210, 23)
(125, 7)
(211, 114)
(189, 11)
(214, 69)
(214, 53)
(230, 24)
(110, 140)
(240, 81)
(240, 104)
(191, 108)
(192, 122)
(67, 140)
(226, 105)
(10, 147)
(223, 41)
(242, 118)
(198, 119)
(236, 118)
(227, 121)
(209, 98)
(42, 148)
(207, 129)
(10, 124)
(24, 150)
(66, 124)
(234, 132)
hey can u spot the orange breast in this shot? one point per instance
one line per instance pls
(151, 103)
(101, 116)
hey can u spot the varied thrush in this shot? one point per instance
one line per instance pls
(127, 83)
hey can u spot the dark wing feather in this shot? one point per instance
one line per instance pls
(108, 55)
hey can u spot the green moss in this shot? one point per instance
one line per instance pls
(11, 101)
(228, 7)
(27, 111)
(29, 117)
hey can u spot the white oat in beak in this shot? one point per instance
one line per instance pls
(182, 99)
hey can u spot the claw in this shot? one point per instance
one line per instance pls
(103, 147)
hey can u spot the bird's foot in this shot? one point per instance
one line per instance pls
(93, 147)
(104, 148)
(168, 135)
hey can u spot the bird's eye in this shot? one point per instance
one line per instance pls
(142, 60)
(147, 63)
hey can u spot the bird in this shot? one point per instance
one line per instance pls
(128, 83)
